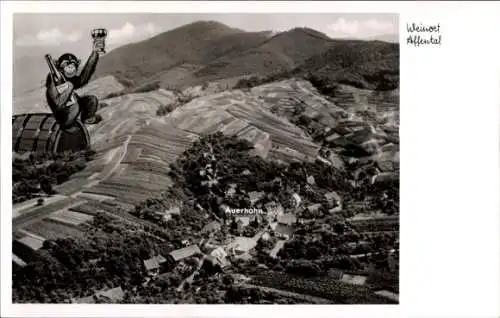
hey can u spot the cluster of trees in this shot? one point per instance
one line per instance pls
(149, 87)
(256, 80)
(110, 254)
(277, 180)
(181, 99)
(232, 163)
(349, 66)
(35, 174)
(324, 287)
(165, 109)
(382, 197)
(247, 295)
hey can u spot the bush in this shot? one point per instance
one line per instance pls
(131, 90)
(165, 109)
(146, 88)
(38, 172)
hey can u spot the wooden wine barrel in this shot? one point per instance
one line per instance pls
(40, 132)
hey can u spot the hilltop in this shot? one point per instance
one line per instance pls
(195, 43)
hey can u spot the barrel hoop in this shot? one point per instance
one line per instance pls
(57, 131)
(37, 136)
(18, 136)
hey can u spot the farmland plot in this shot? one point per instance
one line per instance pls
(36, 214)
(70, 217)
(85, 208)
(52, 230)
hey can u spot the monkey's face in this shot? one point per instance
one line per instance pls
(69, 69)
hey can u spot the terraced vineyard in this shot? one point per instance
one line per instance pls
(135, 147)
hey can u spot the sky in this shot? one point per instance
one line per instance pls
(45, 31)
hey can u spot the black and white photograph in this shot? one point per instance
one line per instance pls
(202, 158)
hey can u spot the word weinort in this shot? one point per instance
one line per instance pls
(414, 27)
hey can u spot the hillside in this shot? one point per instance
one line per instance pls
(207, 51)
(195, 43)
(146, 165)
(282, 52)
(362, 64)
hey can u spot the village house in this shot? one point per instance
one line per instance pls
(18, 261)
(231, 190)
(241, 245)
(283, 231)
(296, 200)
(388, 295)
(242, 222)
(185, 252)
(335, 210)
(167, 214)
(154, 265)
(310, 180)
(211, 227)
(285, 225)
(287, 219)
(255, 197)
(314, 208)
(332, 199)
(240, 278)
(273, 209)
(354, 279)
(266, 236)
(219, 256)
(112, 295)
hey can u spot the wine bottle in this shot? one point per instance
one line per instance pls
(59, 80)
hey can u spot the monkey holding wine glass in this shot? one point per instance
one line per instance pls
(63, 80)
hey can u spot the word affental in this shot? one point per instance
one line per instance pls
(417, 40)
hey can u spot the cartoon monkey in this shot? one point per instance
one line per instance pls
(66, 105)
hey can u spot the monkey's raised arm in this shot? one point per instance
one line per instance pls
(88, 69)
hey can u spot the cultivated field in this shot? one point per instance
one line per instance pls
(135, 147)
